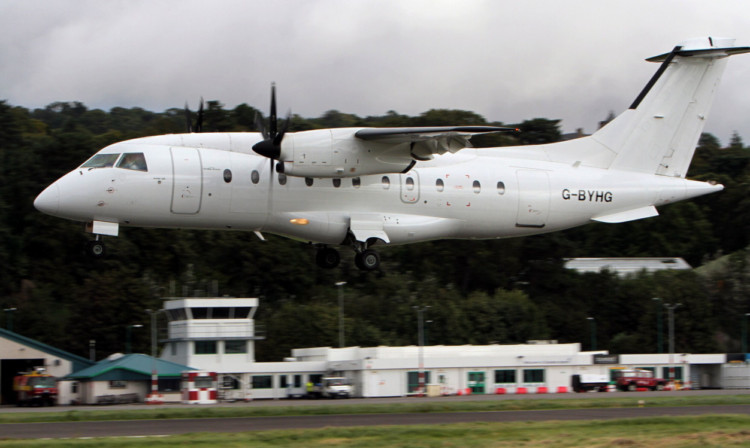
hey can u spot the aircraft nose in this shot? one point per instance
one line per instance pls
(48, 200)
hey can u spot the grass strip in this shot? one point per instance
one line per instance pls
(419, 406)
(662, 432)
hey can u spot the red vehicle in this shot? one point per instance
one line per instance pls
(634, 379)
(35, 388)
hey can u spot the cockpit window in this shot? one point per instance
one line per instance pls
(101, 161)
(133, 161)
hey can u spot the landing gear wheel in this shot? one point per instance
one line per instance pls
(327, 258)
(95, 249)
(367, 260)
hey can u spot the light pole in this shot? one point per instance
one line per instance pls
(659, 343)
(670, 309)
(340, 286)
(9, 317)
(153, 397)
(592, 328)
(420, 331)
(744, 333)
(128, 336)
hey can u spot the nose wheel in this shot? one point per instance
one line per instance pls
(95, 249)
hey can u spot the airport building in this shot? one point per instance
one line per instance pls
(218, 335)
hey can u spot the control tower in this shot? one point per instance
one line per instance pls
(216, 334)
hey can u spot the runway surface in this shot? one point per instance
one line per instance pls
(133, 428)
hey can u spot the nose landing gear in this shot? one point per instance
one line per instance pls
(95, 248)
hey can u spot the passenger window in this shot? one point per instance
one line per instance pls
(356, 182)
(282, 179)
(255, 176)
(101, 161)
(440, 185)
(309, 181)
(500, 188)
(477, 186)
(133, 161)
(336, 183)
(386, 182)
(227, 176)
(410, 183)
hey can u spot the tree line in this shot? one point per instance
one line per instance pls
(479, 292)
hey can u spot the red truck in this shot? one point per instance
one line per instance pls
(35, 388)
(634, 379)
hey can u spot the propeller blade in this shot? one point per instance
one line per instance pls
(280, 136)
(272, 118)
(199, 121)
(271, 145)
(260, 125)
(188, 121)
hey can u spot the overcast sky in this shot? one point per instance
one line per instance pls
(574, 60)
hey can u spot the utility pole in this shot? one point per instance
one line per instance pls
(153, 397)
(420, 332)
(659, 323)
(744, 333)
(128, 337)
(340, 286)
(592, 327)
(9, 317)
(670, 309)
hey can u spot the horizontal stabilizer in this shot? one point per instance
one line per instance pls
(629, 215)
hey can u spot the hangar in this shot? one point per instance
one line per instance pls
(20, 354)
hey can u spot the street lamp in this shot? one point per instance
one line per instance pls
(128, 334)
(670, 309)
(420, 331)
(744, 333)
(9, 317)
(659, 343)
(592, 328)
(340, 286)
(153, 397)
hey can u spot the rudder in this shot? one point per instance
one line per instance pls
(659, 132)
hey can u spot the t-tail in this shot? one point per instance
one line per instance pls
(658, 134)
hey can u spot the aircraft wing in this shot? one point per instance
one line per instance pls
(428, 141)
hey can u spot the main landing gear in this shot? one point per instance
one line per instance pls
(365, 259)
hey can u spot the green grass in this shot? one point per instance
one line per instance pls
(419, 405)
(659, 432)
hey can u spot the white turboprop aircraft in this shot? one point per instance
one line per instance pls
(361, 186)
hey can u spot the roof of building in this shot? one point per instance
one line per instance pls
(129, 367)
(623, 266)
(77, 361)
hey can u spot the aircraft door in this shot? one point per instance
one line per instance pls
(410, 187)
(533, 198)
(187, 184)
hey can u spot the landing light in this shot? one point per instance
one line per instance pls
(299, 221)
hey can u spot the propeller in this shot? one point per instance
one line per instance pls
(198, 122)
(271, 145)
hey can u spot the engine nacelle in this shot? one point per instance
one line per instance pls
(338, 153)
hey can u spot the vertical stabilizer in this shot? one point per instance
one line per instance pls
(659, 132)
